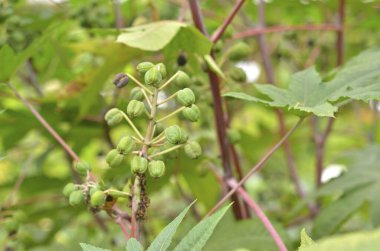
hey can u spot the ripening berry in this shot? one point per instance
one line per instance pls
(126, 145)
(68, 189)
(113, 116)
(120, 80)
(193, 150)
(139, 165)
(182, 80)
(143, 67)
(156, 168)
(181, 60)
(191, 113)
(239, 51)
(186, 97)
(135, 109)
(97, 198)
(114, 158)
(76, 198)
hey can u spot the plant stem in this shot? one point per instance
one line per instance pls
(147, 98)
(167, 99)
(219, 32)
(260, 214)
(171, 114)
(166, 151)
(140, 84)
(168, 82)
(132, 125)
(257, 167)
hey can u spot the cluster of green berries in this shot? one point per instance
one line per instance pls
(149, 150)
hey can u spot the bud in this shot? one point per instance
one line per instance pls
(82, 167)
(182, 80)
(191, 113)
(139, 165)
(153, 77)
(159, 129)
(239, 51)
(11, 225)
(238, 74)
(193, 150)
(76, 198)
(126, 145)
(186, 97)
(114, 158)
(113, 116)
(233, 136)
(120, 80)
(156, 168)
(97, 198)
(68, 189)
(143, 67)
(135, 109)
(175, 135)
(161, 67)
(137, 94)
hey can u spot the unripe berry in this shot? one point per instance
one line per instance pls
(193, 150)
(143, 67)
(182, 80)
(126, 145)
(82, 167)
(239, 51)
(233, 136)
(76, 198)
(135, 109)
(186, 97)
(153, 77)
(68, 189)
(97, 198)
(114, 158)
(137, 94)
(175, 135)
(159, 129)
(161, 67)
(156, 168)
(191, 113)
(113, 116)
(120, 80)
(238, 74)
(139, 165)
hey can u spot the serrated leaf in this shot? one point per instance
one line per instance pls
(213, 66)
(88, 247)
(163, 240)
(359, 241)
(306, 241)
(134, 245)
(198, 235)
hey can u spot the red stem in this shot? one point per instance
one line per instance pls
(219, 32)
(273, 29)
(260, 214)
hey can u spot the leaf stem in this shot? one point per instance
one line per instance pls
(140, 84)
(167, 99)
(168, 82)
(166, 151)
(132, 125)
(171, 114)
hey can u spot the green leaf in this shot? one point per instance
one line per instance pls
(88, 247)
(198, 235)
(163, 240)
(150, 37)
(359, 241)
(213, 66)
(134, 245)
(306, 241)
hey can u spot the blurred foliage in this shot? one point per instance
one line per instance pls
(65, 54)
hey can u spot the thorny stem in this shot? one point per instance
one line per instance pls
(260, 214)
(132, 125)
(219, 115)
(257, 167)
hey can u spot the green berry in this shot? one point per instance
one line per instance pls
(97, 198)
(126, 145)
(233, 136)
(193, 150)
(238, 74)
(191, 113)
(139, 165)
(186, 97)
(153, 77)
(76, 198)
(239, 51)
(182, 80)
(137, 94)
(156, 168)
(161, 67)
(68, 189)
(159, 129)
(175, 135)
(113, 116)
(11, 225)
(82, 167)
(143, 67)
(114, 158)
(135, 109)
